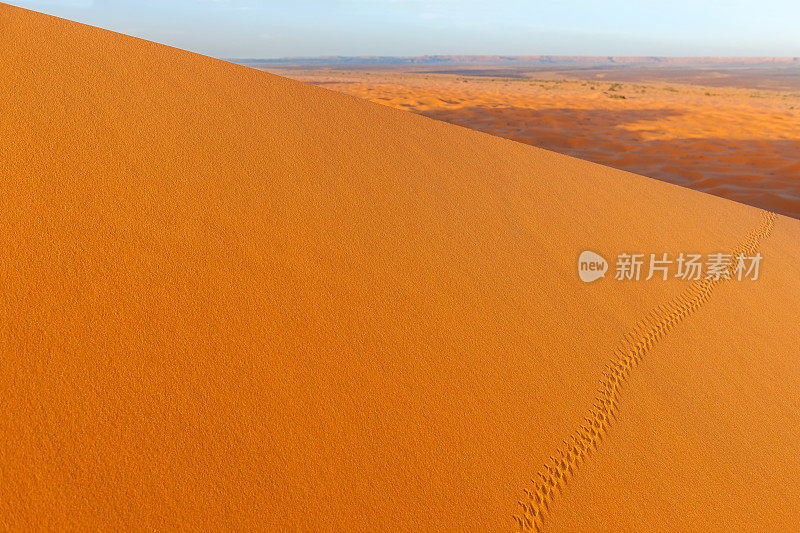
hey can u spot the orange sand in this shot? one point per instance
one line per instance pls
(232, 301)
(740, 144)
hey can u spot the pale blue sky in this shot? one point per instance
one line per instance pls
(271, 28)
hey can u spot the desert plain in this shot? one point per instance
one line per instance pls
(731, 131)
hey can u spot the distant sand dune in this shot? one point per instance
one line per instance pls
(735, 143)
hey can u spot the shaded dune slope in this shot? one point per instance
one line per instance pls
(234, 301)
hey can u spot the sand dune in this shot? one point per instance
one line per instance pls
(233, 301)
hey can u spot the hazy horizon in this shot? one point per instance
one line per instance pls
(507, 57)
(409, 28)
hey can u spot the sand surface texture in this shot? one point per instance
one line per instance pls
(738, 143)
(233, 301)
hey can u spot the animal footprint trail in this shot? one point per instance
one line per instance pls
(561, 466)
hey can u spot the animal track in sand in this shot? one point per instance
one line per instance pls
(561, 466)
